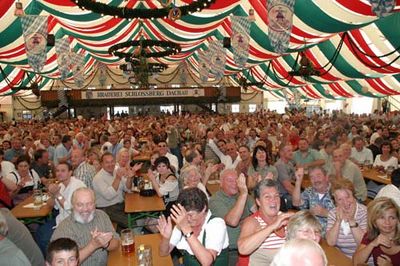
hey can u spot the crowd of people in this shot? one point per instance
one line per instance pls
(261, 214)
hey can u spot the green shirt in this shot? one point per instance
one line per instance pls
(220, 204)
(263, 171)
(352, 172)
(306, 157)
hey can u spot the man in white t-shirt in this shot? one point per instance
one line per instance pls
(62, 193)
(359, 153)
(60, 197)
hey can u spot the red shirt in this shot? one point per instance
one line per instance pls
(377, 251)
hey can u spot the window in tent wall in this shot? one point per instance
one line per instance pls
(26, 115)
(334, 105)
(108, 113)
(278, 106)
(121, 109)
(361, 105)
(167, 108)
(252, 108)
(235, 108)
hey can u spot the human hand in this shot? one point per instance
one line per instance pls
(120, 173)
(241, 183)
(137, 167)
(100, 239)
(54, 189)
(269, 175)
(164, 226)
(348, 215)
(257, 177)
(384, 260)
(179, 216)
(211, 168)
(382, 240)
(339, 215)
(299, 174)
(318, 210)
(281, 220)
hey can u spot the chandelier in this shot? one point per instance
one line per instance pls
(170, 48)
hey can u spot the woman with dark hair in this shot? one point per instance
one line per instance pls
(164, 182)
(385, 159)
(382, 239)
(202, 237)
(264, 232)
(259, 168)
(21, 182)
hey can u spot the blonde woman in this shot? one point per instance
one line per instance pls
(382, 240)
(304, 225)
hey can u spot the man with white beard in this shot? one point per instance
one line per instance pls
(91, 229)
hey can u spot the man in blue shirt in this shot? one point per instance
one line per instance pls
(316, 198)
(63, 150)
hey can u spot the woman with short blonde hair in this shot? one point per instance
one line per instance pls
(304, 225)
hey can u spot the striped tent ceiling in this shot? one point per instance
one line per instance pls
(356, 52)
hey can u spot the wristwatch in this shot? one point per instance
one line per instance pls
(354, 226)
(188, 234)
(60, 197)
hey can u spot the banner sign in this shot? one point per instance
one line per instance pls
(280, 17)
(63, 56)
(217, 59)
(34, 29)
(124, 94)
(382, 8)
(240, 39)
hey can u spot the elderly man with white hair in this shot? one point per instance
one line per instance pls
(90, 228)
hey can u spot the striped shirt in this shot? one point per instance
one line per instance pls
(265, 253)
(273, 241)
(347, 243)
(85, 172)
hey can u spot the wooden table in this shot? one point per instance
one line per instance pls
(335, 256)
(374, 175)
(116, 257)
(31, 215)
(139, 207)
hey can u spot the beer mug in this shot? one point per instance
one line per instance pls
(127, 241)
(389, 171)
(37, 198)
(368, 164)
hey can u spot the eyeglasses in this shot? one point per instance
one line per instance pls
(310, 232)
